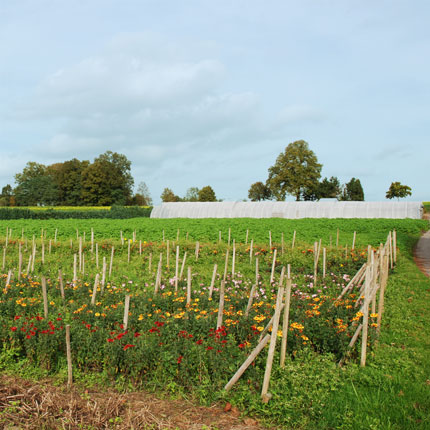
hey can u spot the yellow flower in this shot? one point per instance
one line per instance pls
(97, 314)
(374, 315)
(259, 328)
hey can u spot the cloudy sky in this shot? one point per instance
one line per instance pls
(204, 92)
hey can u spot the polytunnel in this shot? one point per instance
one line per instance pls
(290, 210)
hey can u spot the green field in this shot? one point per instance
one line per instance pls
(172, 347)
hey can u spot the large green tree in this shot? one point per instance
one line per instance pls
(353, 191)
(259, 191)
(399, 191)
(329, 188)
(68, 177)
(207, 194)
(169, 196)
(295, 171)
(35, 185)
(107, 181)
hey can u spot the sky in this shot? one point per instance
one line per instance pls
(199, 92)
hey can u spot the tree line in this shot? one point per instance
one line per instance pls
(297, 172)
(106, 181)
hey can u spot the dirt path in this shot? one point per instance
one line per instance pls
(41, 405)
(422, 253)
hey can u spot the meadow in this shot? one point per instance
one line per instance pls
(169, 340)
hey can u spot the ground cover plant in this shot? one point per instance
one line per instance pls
(173, 345)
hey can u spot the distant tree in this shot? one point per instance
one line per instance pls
(353, 191)
(7, 197)
(143, 196)
(68, 178)
(207, 194)
(259, 191)
(35, 186)
(329, 188)
(398, 190)
(295, 171)
(169, 196)
(192, 195)
(107, 181)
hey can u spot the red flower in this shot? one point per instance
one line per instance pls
(128, 346)
(110, 339)
(14, 328)
(199, 342)
(159, 324)
(17, 317)
(28, 336)
(179, 359)
(209, 348)
(137, 334)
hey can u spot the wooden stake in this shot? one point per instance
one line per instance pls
(226, 265)
(168, 253)
(365, 317)
(250, 299)
(324, 262)
(96, 285)
(177, 268)
(189, 286)
(103, 274)
(220, 306)
(197, 250)
(126, 308)
(250, 251)
(353, 241)
(229, 236)
(75, 276)
(183, 265)
(285, 322)
(264, 391)
(270, 239)
(233, 261)
(272, 274)
(211, 288)
(128, 250)
(60, 281)
(247, 362)
(294, 239)
(246, 237)
(111, 261)
(69, 357)
(45, 297)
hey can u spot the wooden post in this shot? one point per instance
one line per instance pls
(285, 322)
(183, 265)
(103, 274)
(219, 236)
(45, 297)
(246, 237)
(264, 391)
(189, 286)
(177, 267)
(353, 241)
(97, 255)
(43, 252)
(60, 281)
(220, 306)
(257, 275)
(158, 277)
(50, 246)
(140, 247)
(226, 265)
(337, 238)
(272, 274)
(324, 261)
(229, 236)
(197, 250)
(383, 284)
(69, 357)
(111, 261)
(9, 277)
(128, 250)
(395, 246)
(247, 362)
(96, 284)
(126, 308)
(168, 254)
(75, 276)
(365, 317)
(211, 288)
(55, 235)
(233, 260)
(33, 259)
(80, 254)
(83, 263)
(177, 236)
(250, 299)
(250, 251)
(294, 239)
(282, 243)
(270, 239)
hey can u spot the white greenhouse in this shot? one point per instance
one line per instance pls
(291, 210)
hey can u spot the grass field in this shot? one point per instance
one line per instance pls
(392, 391)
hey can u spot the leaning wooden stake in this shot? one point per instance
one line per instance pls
(285, 322)
(211, 288)
(60, 281)
(247, 362)
(365, 317)
(226, 265)
(383, 284)
(111, 261)
(96, 285)
(69, 357)
(181, 274)
(264, 391)
(272, 273)
(294, 239)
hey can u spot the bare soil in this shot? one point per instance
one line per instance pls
(42, 405)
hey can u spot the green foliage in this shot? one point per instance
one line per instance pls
(353, 191)
(169, 196)
(398, 190)
(329, 188)
(296, 172)
(207, 194)
(259, 191)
